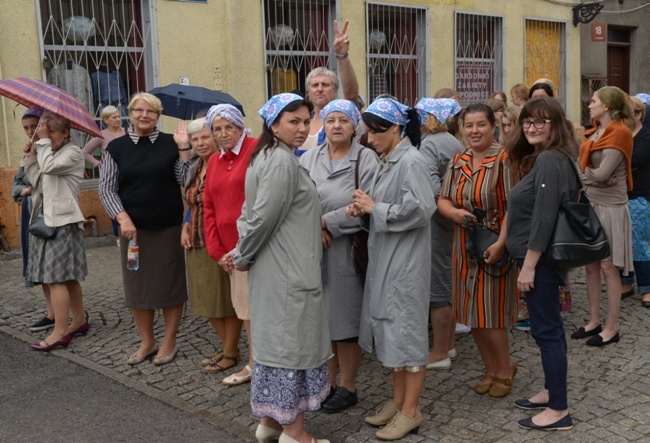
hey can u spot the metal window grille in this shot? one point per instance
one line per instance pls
(397, 52)
(297, 39)
(590, 84)
(478, 56)
(545, 49)
(101, 51)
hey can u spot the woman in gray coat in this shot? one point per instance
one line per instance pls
(396, 299)
(438, 147)
(280, 246)
(335, 167)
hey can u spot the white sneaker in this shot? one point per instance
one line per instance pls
(462, 329)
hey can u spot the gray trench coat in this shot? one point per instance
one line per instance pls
(342, 286)
(280, 239)
(396, 298)
(438, 150)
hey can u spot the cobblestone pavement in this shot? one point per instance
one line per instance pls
(609, 388)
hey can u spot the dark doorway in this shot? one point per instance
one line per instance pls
(618, 67)
(618, 56)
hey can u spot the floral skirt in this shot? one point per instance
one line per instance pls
(640, 214)
(283, 394)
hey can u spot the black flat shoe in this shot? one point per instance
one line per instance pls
(340, 401)
(627, 294)
(563, 424)
(597, 340)
(645, 304)
(330, 395)
(527, 404)
(581, 333)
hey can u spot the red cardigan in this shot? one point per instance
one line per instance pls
(224, 196)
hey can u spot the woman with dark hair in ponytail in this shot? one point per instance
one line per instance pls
(397, 212)
(280, 246)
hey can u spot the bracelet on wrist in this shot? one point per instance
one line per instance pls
(184, 149)
(341, 56)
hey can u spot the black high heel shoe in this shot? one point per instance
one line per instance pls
(62, 342)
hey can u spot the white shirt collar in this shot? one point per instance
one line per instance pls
(237, 149)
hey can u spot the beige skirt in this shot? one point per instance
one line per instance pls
(618, 226)
(239, 293)
(208, 284)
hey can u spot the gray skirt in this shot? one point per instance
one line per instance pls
(58, 260)
(160, 281)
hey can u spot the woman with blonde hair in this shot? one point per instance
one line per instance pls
(519, 94)
(606, 172)
(140, 178)
(509, 121)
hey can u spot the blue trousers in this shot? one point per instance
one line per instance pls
(546, 327)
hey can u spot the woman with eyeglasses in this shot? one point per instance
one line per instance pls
(639, 205)
(542, 149)
(606, 172)
(140, 178)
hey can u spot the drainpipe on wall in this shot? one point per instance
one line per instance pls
(4, 122)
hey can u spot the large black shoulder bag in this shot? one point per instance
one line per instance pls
(578, 238)
(359, 240)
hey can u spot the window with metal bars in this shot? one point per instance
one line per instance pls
(101, 51)
(545, 48)
(397, 52)
(478, 56)
(297, 39)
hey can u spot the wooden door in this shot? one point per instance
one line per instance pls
(618, 67)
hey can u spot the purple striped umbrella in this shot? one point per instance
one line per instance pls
(35, 93)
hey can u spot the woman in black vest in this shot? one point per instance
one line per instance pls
(140, 178)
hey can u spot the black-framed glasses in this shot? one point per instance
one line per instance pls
(538, 124)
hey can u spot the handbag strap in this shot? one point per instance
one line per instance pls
(356, 168)
(582, 195)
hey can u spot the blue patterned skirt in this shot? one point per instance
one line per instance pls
(640, 215)
(57, 260)
(283, 394)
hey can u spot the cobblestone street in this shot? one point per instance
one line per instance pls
(609, 387)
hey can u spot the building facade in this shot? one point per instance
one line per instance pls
(613, 51)
(105, 50)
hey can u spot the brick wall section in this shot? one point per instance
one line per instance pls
(10, 211)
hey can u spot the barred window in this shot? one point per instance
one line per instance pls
(397, 52)
(479, 56)
(101, 51)
(546, 54)
(297, 38)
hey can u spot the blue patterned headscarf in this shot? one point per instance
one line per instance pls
(390, 110)
(345, 106)
(441, 108)
(645, 98)
(275, 105)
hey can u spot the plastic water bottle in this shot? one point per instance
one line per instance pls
(133, 256)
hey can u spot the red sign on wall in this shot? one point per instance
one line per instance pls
(474, 80)
(598, 32)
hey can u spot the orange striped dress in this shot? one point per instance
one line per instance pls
(481, 301)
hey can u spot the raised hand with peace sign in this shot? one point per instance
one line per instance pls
(341, 40)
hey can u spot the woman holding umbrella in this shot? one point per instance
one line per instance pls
(55, 167)
(140, 178)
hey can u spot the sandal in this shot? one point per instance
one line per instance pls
(484, 385)
(211, 360)
(216, 367)
(506, 384)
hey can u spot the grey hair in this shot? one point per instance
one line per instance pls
(108, 111)
(56, 121)
(195, 126)
(322, 71)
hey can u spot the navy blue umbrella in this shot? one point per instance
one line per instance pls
(185, 102)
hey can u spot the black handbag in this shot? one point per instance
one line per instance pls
(38, 228)
(479, 239)
(359, 240)
(578, 237)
